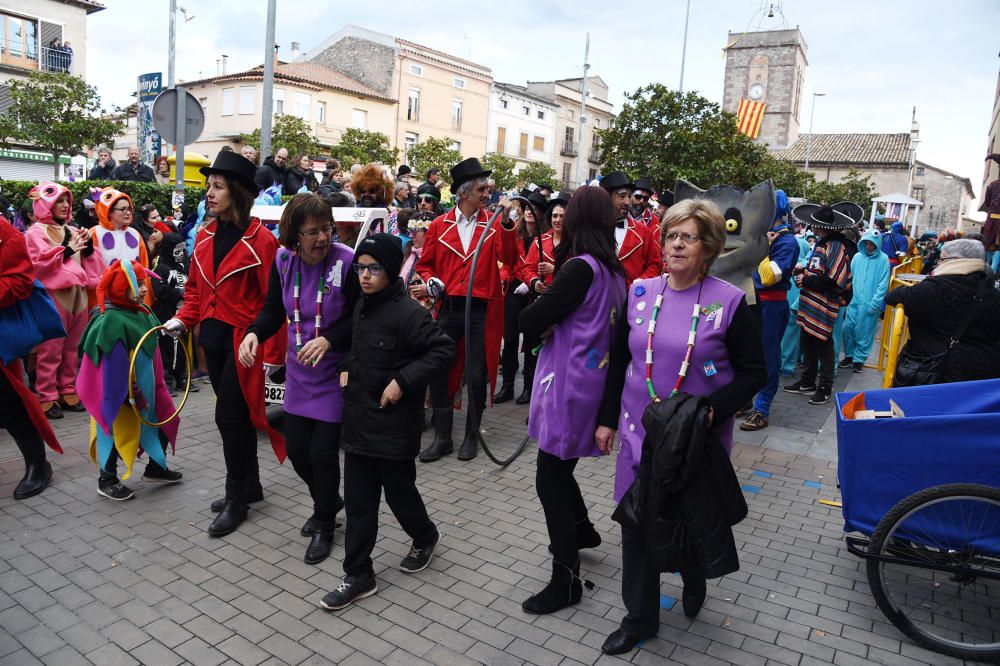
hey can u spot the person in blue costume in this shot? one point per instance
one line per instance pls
(895, 244)
(871, 271)
(790, 351)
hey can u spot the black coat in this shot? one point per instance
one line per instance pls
(269, 174)
(686, 497)
(141, 173)
(99, 172)
(295, 179)
(935, 308)
(394, 338)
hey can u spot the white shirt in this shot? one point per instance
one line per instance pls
(620, 236)
(466, 227)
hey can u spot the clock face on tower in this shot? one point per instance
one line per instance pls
(756, 92)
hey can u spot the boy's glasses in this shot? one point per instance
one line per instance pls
(373, 269)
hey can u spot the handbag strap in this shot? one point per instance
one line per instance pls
(968, 315)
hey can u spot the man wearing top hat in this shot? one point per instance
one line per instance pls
(445, 267)
(641, 211)
(638, 245)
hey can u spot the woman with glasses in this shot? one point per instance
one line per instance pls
(115, 238)
(691, 333)
(311, 286)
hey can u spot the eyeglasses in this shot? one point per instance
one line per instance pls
(641, 197)
(313, 233)
(127, 210)
(373, 269)
(687, 239)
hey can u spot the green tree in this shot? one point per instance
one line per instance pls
(289, 132)
(539, 173)
(431, 153)
(58, 113)
(855, 187)
(358, 146)
(502, 168)
(664, 135)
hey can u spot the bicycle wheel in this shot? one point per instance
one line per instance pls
(943, 589)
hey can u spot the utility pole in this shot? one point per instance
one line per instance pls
(809, 140)
(583, 111)
(684, 49)
(181, 103)
(267, 108)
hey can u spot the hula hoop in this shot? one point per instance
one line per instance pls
(131, 379)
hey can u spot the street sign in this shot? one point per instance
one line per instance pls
(165, 113)
(147, 87)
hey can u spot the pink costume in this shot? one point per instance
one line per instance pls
(67, 280)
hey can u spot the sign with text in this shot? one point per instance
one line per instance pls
(148, 87)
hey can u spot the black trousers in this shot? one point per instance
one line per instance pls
(14, 419)
(562, 503)
(513, 304)
(109, 473)
(314, 448)
(817, 352)
(364, 479)
(174, 363)
(232, 414)
(452, 323)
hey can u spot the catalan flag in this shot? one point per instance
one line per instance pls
(749, 116)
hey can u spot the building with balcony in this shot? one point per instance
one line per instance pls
(520, 125)
(564, 94)
(39, 35)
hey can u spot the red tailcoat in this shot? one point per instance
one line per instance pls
(235, 295)
(444, 258)
(640, 252)
(648, 219)
(548, 255)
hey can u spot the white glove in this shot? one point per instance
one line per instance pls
(435, 287)
(174, 328)
(522, 289)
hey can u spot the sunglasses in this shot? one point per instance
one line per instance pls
(641, 197)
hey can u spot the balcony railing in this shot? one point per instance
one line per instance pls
(45, 59)
(595, 156)
(568, 149)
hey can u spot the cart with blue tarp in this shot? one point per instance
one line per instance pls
(924, 490)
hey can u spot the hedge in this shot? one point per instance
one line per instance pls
(141, 193)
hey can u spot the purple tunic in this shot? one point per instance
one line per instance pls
(709, 370)
(572, 367)
(314, 391)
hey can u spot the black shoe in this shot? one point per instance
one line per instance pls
(470, 444)
(693, 595)
(322, 542)
(800, 388)
(66, 407)
(157, 474)
(563, 590)
(586, 536)
(115, 490)
(351, 590)
(621, 641)
(505, 394)
(821, 396)
(419, 558)
(234, 510)
(36, 479)
(858, 368)
(525, 396)
(441, 445)
(846, 362)
(255, 495)
(54, 412)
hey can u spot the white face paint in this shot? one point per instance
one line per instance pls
(179, 253)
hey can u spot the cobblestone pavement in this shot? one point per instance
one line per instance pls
(85, 580)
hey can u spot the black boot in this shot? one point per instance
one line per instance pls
(586, 535)
(694, 593)
(505, 394)
(529, 377)
(322, 542)
(255, 491)
(443, 419)
(563, 590)
(37, 472)
(234, 509)
(470, 444)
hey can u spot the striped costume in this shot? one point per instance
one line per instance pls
(827, 276)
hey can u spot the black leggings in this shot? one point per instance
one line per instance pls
(232, 415)
(562, 503)
(313, 446)
(14, 419)
(513, 304)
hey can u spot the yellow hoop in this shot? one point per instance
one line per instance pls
(131, 379)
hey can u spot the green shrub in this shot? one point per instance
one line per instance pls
(141, 193)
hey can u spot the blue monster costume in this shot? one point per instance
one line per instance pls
(871, 272)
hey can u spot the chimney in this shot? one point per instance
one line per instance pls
(225, 62)
(218, 67)
(295, 50)
(914, 127)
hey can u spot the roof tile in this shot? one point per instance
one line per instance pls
(849, 149)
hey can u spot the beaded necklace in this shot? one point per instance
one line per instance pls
(297, 316)
(690, 344)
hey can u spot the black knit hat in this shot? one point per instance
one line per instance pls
(386, 249)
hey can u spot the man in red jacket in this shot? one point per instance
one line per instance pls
(445, 266)
(638, 245)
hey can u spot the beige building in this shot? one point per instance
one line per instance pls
(992, 170)
(439, 95)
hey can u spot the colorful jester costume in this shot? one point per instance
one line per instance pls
(106, 347)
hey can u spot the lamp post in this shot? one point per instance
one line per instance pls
(684, 48)
(809, 139)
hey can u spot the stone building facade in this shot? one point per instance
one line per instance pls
(521, 125)
(947, 197)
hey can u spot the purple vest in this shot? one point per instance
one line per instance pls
(572, 367)
(709, 370)
(314, 391)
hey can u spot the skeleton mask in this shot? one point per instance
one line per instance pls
(178, 253)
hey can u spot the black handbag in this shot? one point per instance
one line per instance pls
(915, 370)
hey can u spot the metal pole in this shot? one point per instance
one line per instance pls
(809, 139)
(173, 43)
(267, 110)
(583, 111)
(181, 140)
(181, 105)
(687, 15)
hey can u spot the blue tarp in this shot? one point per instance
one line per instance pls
(951, 434)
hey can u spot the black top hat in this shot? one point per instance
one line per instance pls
(616, 180)
(403, 170)
(666, 198)
(536, 199)
(644, 184)
(558, 199)
(236, 167)
(465, 171)
(826, 217)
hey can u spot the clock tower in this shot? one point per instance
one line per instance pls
(768, 67)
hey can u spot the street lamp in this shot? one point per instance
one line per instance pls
(809, 138)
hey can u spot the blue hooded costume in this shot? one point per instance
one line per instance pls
(895, 242)
(790, 351)
(871, 271)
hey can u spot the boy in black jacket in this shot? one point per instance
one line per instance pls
(396, 349)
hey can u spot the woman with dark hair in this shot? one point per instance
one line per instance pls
(300, 175)
(312, 285)
(152, 227)
(228, 278)
(576, 316)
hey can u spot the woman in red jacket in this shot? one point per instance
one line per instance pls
(226, 286)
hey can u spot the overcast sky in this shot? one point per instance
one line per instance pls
(874, 59)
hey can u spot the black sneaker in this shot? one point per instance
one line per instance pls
(821, 396)
(54, 412)
(116, 491)
(351, 590)
(858, 368)
(845, 362)
(159, 475)
(418, 558)
(799, 387)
